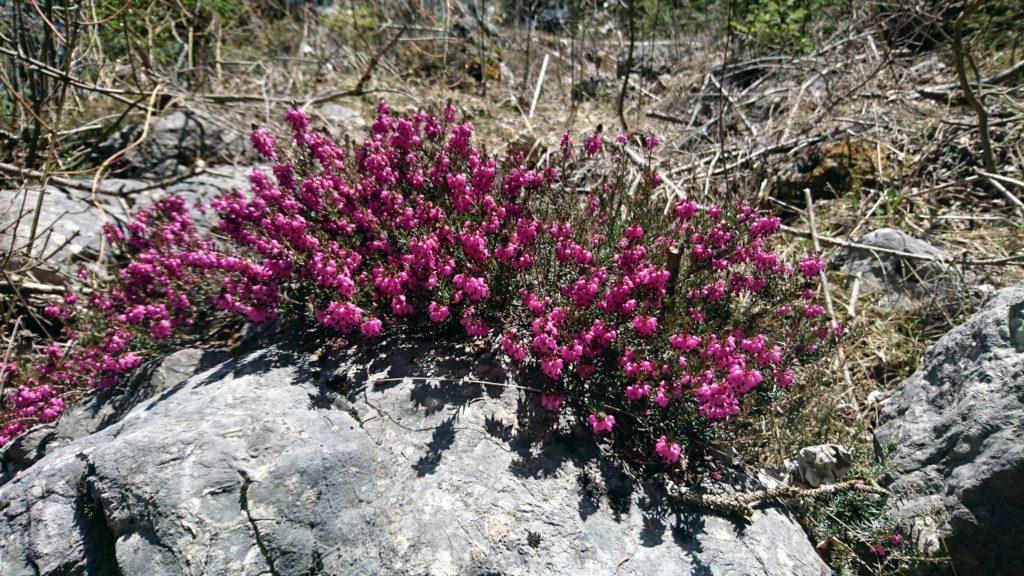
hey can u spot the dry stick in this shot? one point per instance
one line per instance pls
(944, 91)
(841, 356)
(50, 144)
(979, 109)
(47, 70)
(99, 171)
(811, 222)
(783, 147)
(540, 84)
(1004, 179)
(375, 60)
(360, 87)
(742, 502)
(851, 309)
(24, 301)
(87, 187)
(7, 354)
(994, 181)
(735, 106)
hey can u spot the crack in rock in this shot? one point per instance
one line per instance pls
(243, 501)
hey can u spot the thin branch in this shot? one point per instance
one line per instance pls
(979, 109)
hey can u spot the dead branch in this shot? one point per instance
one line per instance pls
(742, 503)
(979, 109)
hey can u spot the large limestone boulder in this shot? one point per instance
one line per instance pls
(282, 462)
(68, 227)
(958, 427)
(68, 231)
(177, 141)
(341, 122)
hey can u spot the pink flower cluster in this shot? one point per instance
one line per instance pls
(640, 322)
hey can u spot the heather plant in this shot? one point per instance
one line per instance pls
(643, 318)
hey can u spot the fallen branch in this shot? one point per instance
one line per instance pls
(742, 502)
(123, 191)
(947, 92)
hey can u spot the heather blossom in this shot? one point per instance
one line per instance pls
(669, 451)
(811, 266)
(417, 226)
(601, 424)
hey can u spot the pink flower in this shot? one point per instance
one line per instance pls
(669, 451)
(566, 145)
(297, 119)
(161, 329)
(417, 223)
(813, 310)
(637, 392)
(601, 424)
(686, 209)
(551, 367)
(645, 325)
(263, 142)
(661, 399)
(371, 328)
(552, 402)
(438, 313)
(811, 266)
(515, 350)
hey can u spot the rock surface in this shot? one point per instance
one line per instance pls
(818, 465)
(176, 142)
(68, 229)
(341, 122)
(69, 225)
(901, 282)
(649, 60)
(958, 427)
(282, 462)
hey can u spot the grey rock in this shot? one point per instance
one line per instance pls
(958, 427)
(101, 409)
(817, 465)
(649, 60)
(342, 123)
(282, 462)
(70, 222)
(900, 282)
(593, 88)
(176, 142)
(68, 229)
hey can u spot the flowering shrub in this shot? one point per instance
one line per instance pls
(646, 321)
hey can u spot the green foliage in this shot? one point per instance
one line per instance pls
(164, 32)
(996, 33)
(860, 534)
(780, 24)
(762, 24)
